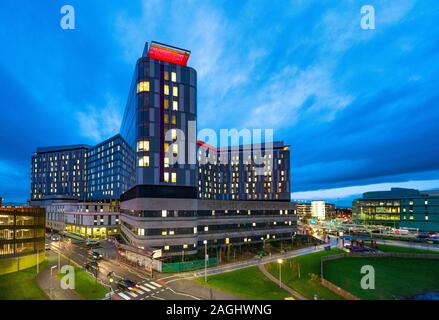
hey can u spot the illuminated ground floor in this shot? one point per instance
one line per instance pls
(93, 232)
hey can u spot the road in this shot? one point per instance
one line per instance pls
(75, 252)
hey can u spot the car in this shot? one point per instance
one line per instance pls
(95, 255)
(127, 285)
(91, 243)
(91, 266)
(55, 237)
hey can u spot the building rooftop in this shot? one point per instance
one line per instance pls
(62, 148)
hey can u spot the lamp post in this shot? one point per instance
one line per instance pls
(51, 275)
(205, 260)
(279, 261)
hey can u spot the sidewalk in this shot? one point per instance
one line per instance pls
(44, 281)
(283, 286)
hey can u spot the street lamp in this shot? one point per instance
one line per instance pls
(279, 261)
(51, 275)
(205, 260)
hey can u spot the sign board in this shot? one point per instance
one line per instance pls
(163, 52)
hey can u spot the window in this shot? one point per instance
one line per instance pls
(166, 104)
(142, 145)
(166, 176)
(166, 147)
(174, 91)
(174, 120)
(144, 161)
(166, 162)
(174, 134)
(166, 75)
(164, 213)
(175, 105)
(143, 86)
(166, 119)
(175, 148)
(166, 89)
(173, 76)
(166, 248)
(174, 177)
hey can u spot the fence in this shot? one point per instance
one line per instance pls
(345, 294)
(188, 265)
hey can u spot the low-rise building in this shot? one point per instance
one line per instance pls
(399, 207)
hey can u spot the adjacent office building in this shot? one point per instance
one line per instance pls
(170, 200)
(21, 237)
(317, 209)
(399, 207)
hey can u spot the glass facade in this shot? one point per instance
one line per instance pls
(21, 231)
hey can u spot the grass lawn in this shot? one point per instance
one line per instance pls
(85, 285)
(395, 278)
(386, 248)
(308, 264)
(248, 283)
(22, 285)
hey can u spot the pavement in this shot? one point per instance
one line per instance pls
(51, 285)
(294, 293)
(244, 264)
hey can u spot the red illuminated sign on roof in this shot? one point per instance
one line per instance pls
(167, 53)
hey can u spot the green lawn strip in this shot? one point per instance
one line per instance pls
(395, 278)
(388, 248)
(248, 283)
(308, 264)
(22, 285)
(86, 286)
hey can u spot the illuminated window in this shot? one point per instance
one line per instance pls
(166, 176)
(143, 86)
(164, 213)
(173, 77)
(166, 147)
(174, 120)
(164, 233)
(166, 162)
(166, 75)
(175, 105)
(144, 161)
(174, 91)
(175, 148)
(166, 104)
(142, 146)
(174, 177)
(174, 134)
(166, 248)
(166, 89)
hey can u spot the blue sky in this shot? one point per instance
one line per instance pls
(358, 107)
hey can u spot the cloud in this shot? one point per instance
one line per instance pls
(344, 192)
(100, 123)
